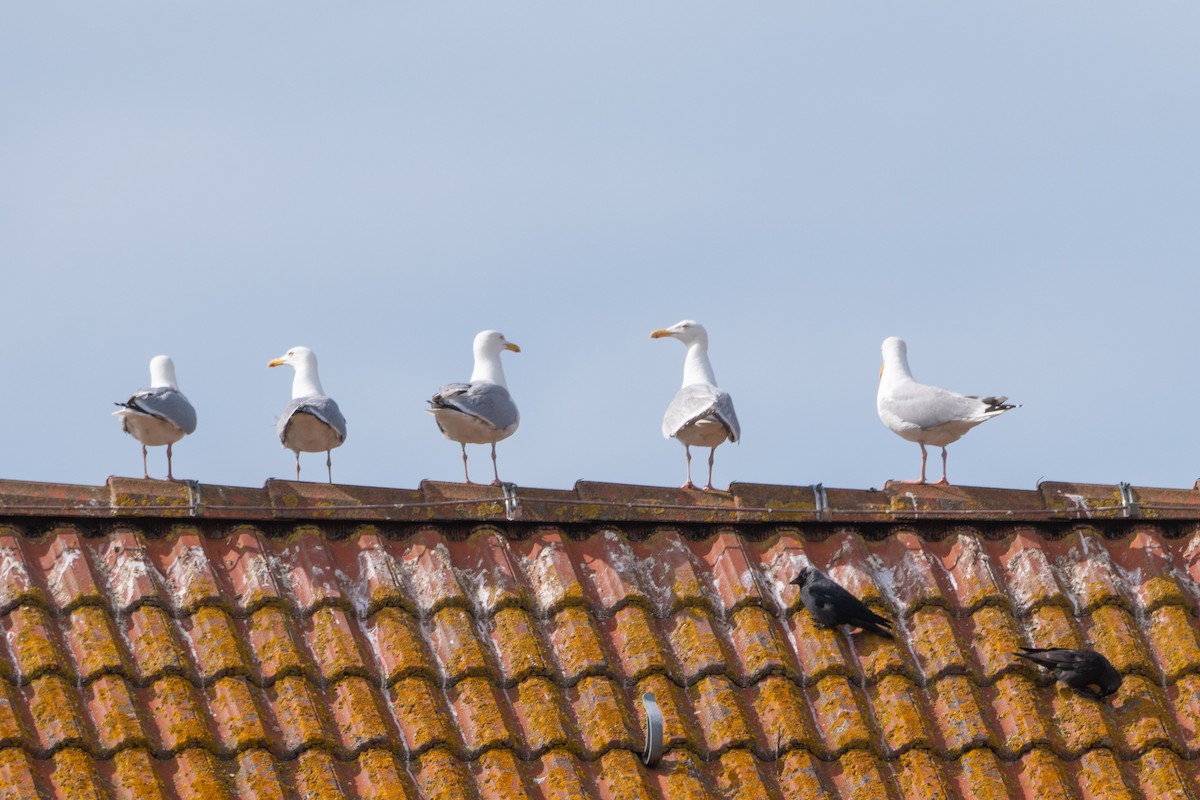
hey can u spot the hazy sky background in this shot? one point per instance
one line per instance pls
(1014, 188)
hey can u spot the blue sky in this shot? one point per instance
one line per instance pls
(1012, 188)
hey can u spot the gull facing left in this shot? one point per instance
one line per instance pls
(158, 415)
(312, 422)
(701, 413)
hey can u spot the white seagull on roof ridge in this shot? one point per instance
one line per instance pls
(701, 413)
(312, 421)
(158, 415)
(925, 414)
(480, 411)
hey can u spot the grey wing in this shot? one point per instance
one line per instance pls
(165, 403)
(490, 402)
(696, 401)
(928, 406)
(321, 407)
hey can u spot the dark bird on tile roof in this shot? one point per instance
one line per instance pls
(832, 605)
(1080, 669)
(158, 415)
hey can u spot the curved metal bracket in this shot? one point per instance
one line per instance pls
(512, 504)
(654, 730)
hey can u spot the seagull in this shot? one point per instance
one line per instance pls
(701, 413)
(832, 605)
(924, 414)
(158, 415)
(312, 422)
(480, 411)
(1079, 669)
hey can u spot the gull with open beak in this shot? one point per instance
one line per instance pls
(480, 411)
(312, 421)
(701, 414)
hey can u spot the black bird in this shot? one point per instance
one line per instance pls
(1079, 669)
(832, 605)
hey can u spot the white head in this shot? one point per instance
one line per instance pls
(492, 343)
(162, 373)
(895, 357)
(304, 361)
(688, 331)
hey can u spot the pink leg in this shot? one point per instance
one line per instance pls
(297, 465)
(688, 452)
(145, 469)
(466, 475)
(495, 470)
(921, 480)
(711, 454)
(329, 464)
(170, 477)
(943, 481)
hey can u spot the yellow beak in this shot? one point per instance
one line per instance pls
(276, 362)
(511, 346)
(660, 333)
(881, 366)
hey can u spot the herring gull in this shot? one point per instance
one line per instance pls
(925, 414)
(312, 422)
(158, 415)
(701, 413)
(480, 411)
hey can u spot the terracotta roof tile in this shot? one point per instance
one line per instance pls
(249, 648)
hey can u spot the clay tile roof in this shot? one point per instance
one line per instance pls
(304, 640)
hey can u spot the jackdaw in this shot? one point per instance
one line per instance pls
(1079, 669)
(831, 605)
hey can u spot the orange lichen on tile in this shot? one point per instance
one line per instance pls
(993, 637)
(216, 645)
(176, 715)
(979, 775)
(858, 775)
(29, 632)
(74, 777)
(818, 649)
(576, 643)
(315, 777)
(114, 714)
(1098, 775)
(477, 711)
(441, 776)
(900, 715)
(17, 775)
(800, 775)
(600, 716)
(1172, 637)
(198, 776)
(236, 715)
(256, 776)
(694, 642)
(920, 774)
(1040, 775)
(12, 730)
(558, 778)
(718, 708)
(1115, 633)
(958, 714)
(621, 777)
(1053, 626)
(637, 643)
(274, 647)
(380, 776)
(454, 641)
(333, 646)
(498, 776)
(1079, 721)
(932, 637)
(299, 713)
(540, 708)
(420, 710)
(1185, 700)
(783, 716)
(517, 645)
(399, 649)
(757, 644)
(57, 717)
(357, 715)
(738, 776)
(679, 775)
(1140, 716)
(133, 776)
(1161, 776)
(93, 643)
(152, 640)
(839, 716)
(679, 724)
(1017, 706)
